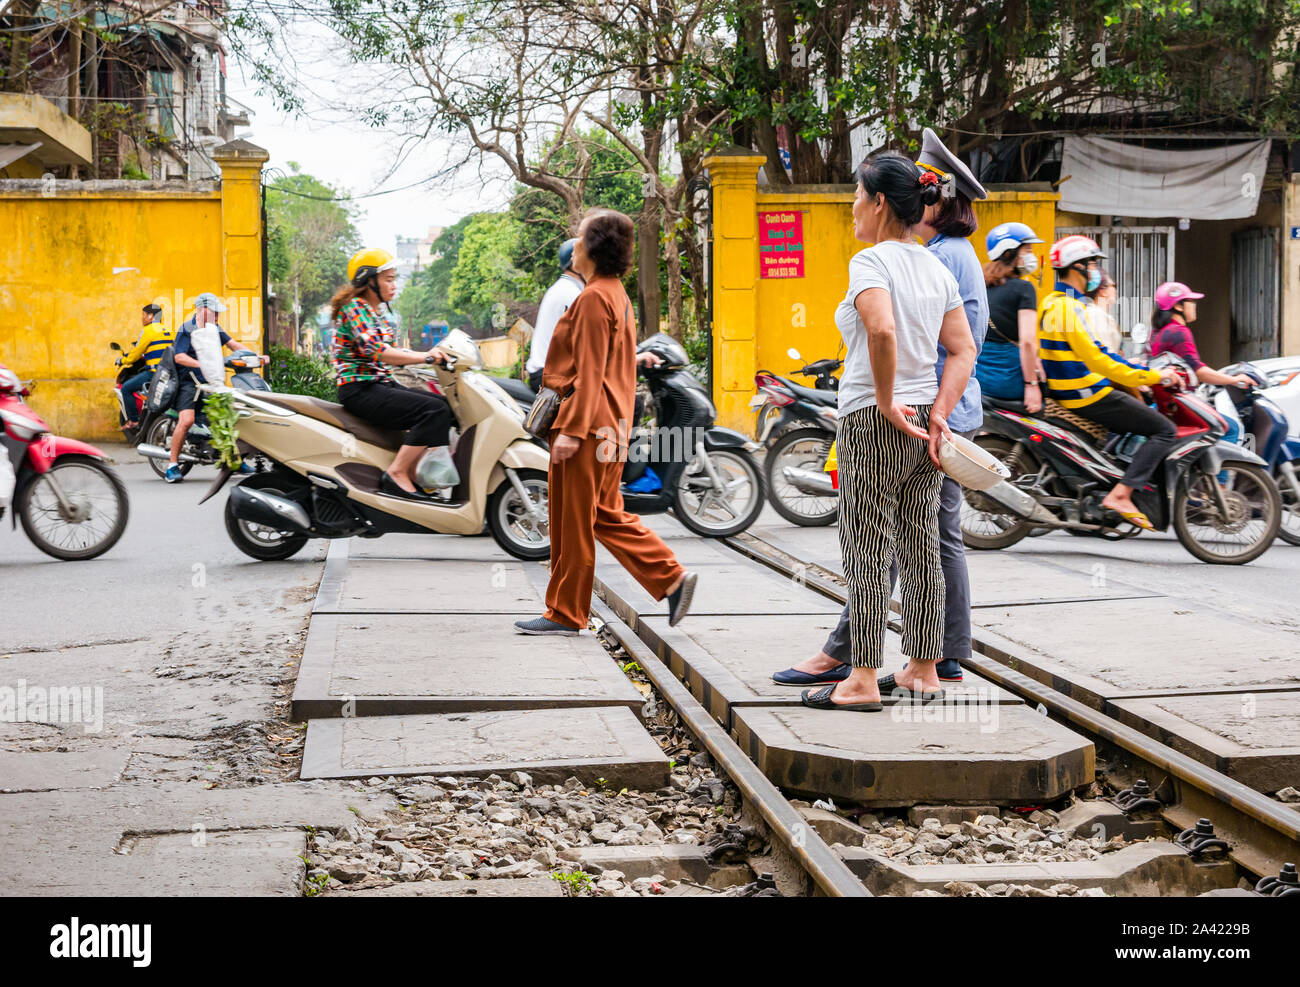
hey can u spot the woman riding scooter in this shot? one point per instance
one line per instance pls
(1175, 311)
(363, 352)
(1090, 380)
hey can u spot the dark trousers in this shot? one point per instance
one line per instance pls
(386, 404)
(1122, 413)
(535, 380)
(956, 583)
(130, 388)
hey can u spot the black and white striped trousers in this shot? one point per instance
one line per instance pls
(889, 506)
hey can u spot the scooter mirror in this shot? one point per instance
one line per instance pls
(794, 354)
(114, 346)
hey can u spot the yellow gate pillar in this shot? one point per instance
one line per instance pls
(733, 175)
(241, 238)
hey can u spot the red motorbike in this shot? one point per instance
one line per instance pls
(70, 502)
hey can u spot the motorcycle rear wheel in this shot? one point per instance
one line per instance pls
(160, 434)
(984, 525)
(797, 507)
(1252, 497)
(256, 540)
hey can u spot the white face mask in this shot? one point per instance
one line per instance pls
(1028, 263)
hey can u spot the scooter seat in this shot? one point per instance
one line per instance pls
(826, 397)
(1016, 406)
(335, 414)
(517, 389)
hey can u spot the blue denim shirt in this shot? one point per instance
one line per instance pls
(959, 257)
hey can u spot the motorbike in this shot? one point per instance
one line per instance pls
(519, 392)
(1260, 425)
(137, 413)
(156, 427)
(704, 474)
(71, 503)
(323, 464)
(797, 425)
(1219, 498)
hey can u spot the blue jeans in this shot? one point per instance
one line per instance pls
(132, 386)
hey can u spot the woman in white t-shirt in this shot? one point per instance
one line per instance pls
(901, 302)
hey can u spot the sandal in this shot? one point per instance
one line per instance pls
(888, 684)
(821, 699)
(1135, 518)
(792, 676)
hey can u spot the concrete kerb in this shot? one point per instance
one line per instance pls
(1138, 870)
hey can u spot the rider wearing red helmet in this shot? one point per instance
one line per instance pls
(1083, 376)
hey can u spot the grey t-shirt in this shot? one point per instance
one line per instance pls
(921, 292)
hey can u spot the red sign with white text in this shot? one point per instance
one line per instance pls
(780, 245)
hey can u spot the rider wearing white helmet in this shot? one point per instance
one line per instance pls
(1008, 365)
(1082, 375)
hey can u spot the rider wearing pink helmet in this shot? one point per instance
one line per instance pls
(1175, 310)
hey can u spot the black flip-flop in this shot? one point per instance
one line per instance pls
(821, 699)
(889, 685)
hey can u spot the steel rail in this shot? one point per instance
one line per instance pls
(1269, 830)
(827, 870)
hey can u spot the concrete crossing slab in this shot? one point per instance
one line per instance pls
(375, 664)
(428, 547)
(1116, 649)
(988, 754)
(729, 661)
(997, 579)
(1253, 738)
(435, 586)
(737, 586)
(551, 745)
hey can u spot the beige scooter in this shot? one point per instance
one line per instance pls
(325, 464)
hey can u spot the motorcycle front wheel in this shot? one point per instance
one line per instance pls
(1289, 530)
(525, 535)
(89, 519)
(1253, 513)
(984, 524)
(805, 449)
(719, 513)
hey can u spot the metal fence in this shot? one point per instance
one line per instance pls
(1140, 259)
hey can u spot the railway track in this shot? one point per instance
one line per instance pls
(1262, 836)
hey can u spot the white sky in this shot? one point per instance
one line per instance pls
(350, 155)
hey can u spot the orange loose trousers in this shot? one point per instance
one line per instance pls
(586, 503)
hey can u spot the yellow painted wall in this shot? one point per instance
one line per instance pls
(78, 266)
(756, 320)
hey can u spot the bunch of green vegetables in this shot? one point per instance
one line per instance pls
(223, 423)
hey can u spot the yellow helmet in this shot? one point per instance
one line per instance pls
(368, 262)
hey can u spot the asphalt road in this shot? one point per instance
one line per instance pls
(189, 638)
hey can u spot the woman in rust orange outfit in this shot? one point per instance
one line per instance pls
(592, 362)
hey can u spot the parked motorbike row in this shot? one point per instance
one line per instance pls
(1227, 488)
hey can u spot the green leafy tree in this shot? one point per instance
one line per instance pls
(608, 176)
(424, 297)
(485, 282)
(310, 236)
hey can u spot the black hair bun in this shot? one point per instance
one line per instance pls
(930, 194)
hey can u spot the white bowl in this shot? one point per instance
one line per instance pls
(970, 465)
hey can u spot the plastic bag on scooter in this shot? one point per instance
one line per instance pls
(436, 469)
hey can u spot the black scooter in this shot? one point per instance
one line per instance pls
(704, 474)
